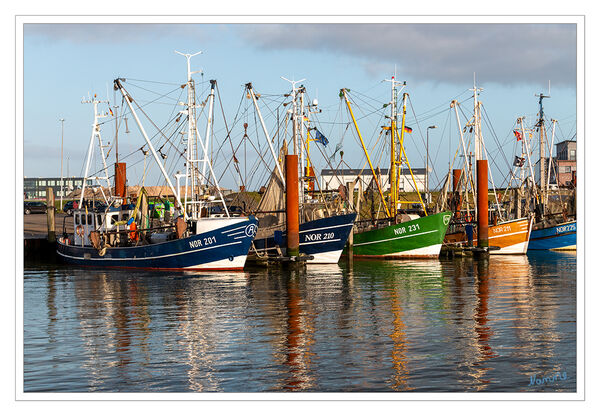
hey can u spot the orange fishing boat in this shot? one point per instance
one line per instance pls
(512, 237)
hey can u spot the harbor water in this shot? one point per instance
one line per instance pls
(506, 324)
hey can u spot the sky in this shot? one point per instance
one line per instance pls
(511, 62)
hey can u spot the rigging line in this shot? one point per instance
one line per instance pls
(304, 144)
(138, 149)
(368, 104)
(422, 139)
(228, 138)
(446, 123)
(494, 135)
(166, 95)
(155, 82)
(235, 121)
(146, 104)
(379, 122)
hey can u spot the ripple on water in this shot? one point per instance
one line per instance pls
(457, 325)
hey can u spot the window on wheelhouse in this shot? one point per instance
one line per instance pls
(76, 217)
(90, 219)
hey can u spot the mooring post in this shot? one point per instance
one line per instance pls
(292, 215)
(482, 204)
(120, 179)
(50, 214)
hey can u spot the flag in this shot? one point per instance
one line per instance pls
(111, 113)
(519, 161)
(319, 138)
(517, 135)
(407, 129)
(337, 148)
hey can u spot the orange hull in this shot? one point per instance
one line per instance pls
(512, 237)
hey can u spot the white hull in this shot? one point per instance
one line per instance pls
(432, 251)
(566, 248)
(519, 248)
(429, 251)
(329, 257)
(237, 263)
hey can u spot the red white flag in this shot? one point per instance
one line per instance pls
(517, 135)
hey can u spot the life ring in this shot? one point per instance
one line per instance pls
(133, 234)
(79, 230)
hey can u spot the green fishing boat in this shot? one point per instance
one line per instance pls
(418, 238)
(398, 234)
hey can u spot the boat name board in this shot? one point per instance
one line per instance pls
(402, 230)
(319, 236)
(565, 228)
(500, 229)
(207, 242)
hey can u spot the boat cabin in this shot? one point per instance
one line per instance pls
(105, 222)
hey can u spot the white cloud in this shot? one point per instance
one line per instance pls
(503, 53)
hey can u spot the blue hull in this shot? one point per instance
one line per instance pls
(324, 238)
(562, 236)
(224, 248)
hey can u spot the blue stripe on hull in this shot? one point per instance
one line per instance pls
(318, 236)
(554, 238)
(194, 251)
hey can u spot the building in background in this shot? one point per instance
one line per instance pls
(332, 178)
(35, 188)
(566, 162)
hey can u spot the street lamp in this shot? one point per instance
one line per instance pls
(427, 164)
(62, 134)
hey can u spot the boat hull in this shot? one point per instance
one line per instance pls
(558, 237)
(323, 239)
(224, 248)
(420, 238)
(512, 237)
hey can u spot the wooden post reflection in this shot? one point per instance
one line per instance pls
(298, 339)
(482, 329)
(399, 360)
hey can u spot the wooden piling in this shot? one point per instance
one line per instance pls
(482, 204)
(50, 214)
(292, 217)
(120, 179)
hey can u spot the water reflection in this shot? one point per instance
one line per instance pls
(456, 325)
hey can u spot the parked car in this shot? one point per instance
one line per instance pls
(68, 208)
(32, 207)
(91, 205)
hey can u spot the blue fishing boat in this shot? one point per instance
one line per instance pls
(558, 237)
(323, 239)
(323, 231)
(130, 232)
(224, 247)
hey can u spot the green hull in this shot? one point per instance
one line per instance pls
(422, 237)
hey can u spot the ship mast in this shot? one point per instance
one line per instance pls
(95, 133)
(191, 181)
(395, 156)
(477, 122)
(296, 134)
(129, 102)
(541, 127)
